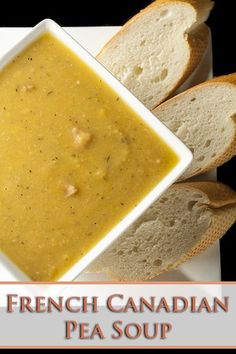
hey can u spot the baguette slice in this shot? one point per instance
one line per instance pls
(156, 51)
(183, 223)
(204, 118)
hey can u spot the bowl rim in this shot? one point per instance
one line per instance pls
(184, 154)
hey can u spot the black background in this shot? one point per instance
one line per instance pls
(101, 13)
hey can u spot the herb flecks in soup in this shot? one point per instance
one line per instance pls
(75, 159)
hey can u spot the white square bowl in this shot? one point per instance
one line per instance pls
(184, 154)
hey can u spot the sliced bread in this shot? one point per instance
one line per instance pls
(157, 50)
(204, 118)
(184, 222)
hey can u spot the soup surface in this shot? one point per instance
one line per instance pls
(75, 159)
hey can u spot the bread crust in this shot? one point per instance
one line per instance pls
(199, 5)
(197, 39)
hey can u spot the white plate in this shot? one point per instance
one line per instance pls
(205, 267)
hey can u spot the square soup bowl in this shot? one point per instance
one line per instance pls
(183, 153)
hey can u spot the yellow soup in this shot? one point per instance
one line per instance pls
(75, 159)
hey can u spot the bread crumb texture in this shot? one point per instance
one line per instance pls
(184, 222)
(204, 118)
(155, 52)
